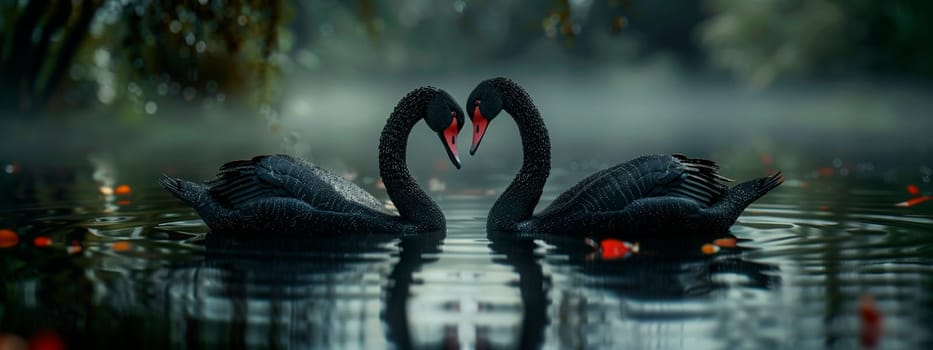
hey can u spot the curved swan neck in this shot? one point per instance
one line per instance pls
(413, 204)
(517, 203)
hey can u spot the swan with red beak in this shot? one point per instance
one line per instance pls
(446, 118)
(662, 194)
(484, 104)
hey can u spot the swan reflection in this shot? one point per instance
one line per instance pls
(663, 296)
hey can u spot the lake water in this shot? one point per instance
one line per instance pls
(139, 270)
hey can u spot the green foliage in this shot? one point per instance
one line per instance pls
(40, 40)
(54, 53)
(760, 41)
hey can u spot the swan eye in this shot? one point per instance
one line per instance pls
(453, 114)
(476, 103)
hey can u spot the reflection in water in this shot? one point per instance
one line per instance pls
(309, 294)
(320, 293)
(519, 254)
(585, 303)
(148, 275)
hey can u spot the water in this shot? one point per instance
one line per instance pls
(139, 270)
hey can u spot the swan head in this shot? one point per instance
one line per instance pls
(484, 104)
(445, 117)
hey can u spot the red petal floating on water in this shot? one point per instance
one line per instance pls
(725, 242)
(614, 249)
(914, 201)
(46, 340)
(8, 238)
(42, 241)
(870, 321)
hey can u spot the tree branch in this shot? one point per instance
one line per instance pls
(69, 48)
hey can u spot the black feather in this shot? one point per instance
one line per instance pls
(236, 184)
(701, 181)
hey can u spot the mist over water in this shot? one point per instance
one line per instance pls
(595, 115)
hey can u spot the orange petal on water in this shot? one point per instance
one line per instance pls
(42, 241)
(913, 189)
(8, 238)
(122, 190)
(914, 201)
(709, 249)
(725, 242)
(121, 246)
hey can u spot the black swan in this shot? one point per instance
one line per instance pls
(659, 195)
(280, 194)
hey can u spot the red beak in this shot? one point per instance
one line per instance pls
(449, 138)
(479, 129)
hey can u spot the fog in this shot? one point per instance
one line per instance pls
(698, 80)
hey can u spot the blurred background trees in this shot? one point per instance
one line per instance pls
(65, 54)
(761, 41)
(140, 56)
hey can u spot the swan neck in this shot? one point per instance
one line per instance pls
(518, 201)
(413, 204)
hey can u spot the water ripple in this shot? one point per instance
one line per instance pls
(801, 263)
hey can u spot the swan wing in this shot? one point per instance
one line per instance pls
(243, 181)
(700, 180)
(616, 187)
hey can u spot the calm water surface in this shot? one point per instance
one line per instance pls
(141, 271)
